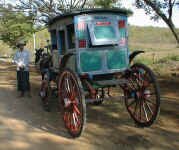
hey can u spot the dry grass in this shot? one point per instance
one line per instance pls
(161, 52)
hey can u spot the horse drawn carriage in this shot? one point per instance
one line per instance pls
(89, 55)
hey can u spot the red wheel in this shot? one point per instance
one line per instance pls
(142, 96)
(72, 101)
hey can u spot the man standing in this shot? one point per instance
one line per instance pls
(22, 59)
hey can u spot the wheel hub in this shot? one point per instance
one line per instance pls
(143, 94)
(67, 102)
(147, 94)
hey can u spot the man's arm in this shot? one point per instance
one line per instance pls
(15, 59)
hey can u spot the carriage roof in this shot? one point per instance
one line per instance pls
(89, 11)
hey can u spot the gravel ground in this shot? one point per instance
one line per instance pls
(25, 126)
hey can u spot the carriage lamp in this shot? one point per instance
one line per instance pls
(82, 35)
(121, 24)
(82, 43)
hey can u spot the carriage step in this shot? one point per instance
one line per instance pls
(90, 101)
(117, 98)
(112, 82)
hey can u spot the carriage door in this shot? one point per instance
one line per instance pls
(61, 42)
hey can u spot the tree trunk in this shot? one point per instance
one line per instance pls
(174, 31)
(165, 19)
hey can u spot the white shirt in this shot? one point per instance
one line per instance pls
(22, 58)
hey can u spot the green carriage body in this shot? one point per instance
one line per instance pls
(96, 40)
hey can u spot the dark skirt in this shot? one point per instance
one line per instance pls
(23, 81)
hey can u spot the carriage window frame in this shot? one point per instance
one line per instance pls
(99, 42)
(54, 40)
(70, 29)
(62, 41)
(100, 28)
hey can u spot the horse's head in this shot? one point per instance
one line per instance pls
(38, 54)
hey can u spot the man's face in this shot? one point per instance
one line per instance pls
(21, 47)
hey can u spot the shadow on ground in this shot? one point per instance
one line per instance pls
(24, 124)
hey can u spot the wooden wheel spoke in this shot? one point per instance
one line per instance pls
(77, 119)
(140, 116)
(71, 84)
(69, 88)
(73, 93)
(149, 108)
(140, 80)
(132, 103)
(64, 91)
(150, 102)
(74, 119)
(145, 112)
(65, 94)
(67, 85)
(67, 119)
(76, 110)
(144, 80)
(151, 93)
(74, 122)
(135, 109)
(71, 121)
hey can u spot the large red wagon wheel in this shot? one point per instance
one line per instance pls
(72, 100)
(142, 96)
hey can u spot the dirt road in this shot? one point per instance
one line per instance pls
(25, 126)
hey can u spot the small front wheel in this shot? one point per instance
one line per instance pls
(72, 102)
(142, 96)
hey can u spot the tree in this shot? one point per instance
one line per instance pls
(14, 26)
(161, 9)
(105, 3)
(43, 10)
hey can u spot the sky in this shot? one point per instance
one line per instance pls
(139, 17)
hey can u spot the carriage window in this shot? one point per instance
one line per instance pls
(71, 36)
(104, 31)
(62, 45)
(53, 38)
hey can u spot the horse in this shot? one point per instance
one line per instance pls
(38, 54)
